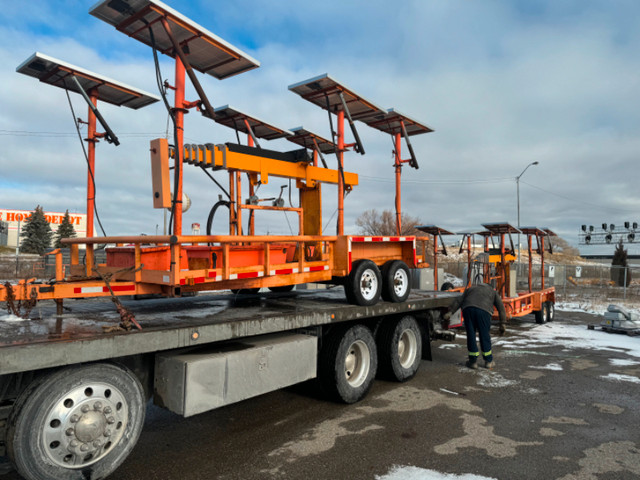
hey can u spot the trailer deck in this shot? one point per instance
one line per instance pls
(48, 340)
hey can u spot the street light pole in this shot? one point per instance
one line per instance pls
(518, 197)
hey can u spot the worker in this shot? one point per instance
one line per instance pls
(477, 304)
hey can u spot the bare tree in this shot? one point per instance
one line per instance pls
(373, 223)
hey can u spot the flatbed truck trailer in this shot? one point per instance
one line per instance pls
(73, 391)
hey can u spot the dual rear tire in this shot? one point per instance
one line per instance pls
(366, 283)
(546, 314)
(351, 357)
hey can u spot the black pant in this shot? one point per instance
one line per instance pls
(476, 319)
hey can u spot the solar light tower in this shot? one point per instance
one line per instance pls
(93, 88)
(192, 47)
(399, 126)
(518, 195)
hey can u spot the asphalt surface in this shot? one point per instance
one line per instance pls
(549, 410)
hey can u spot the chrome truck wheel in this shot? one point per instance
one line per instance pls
(347, 363)
(76, 423)
(400, 348)
(396, 278)
(364, 283)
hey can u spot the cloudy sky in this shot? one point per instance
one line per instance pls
(502, 83)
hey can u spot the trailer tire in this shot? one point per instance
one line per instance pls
(551, 311)
(541, 315)
(282, 289)
(76, 423)
(348, 363)
(446, 286)
(364, 283)
(399, 348)
(245, 291)
(396, 281)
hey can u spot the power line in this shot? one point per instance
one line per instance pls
(26, 133)
(438, 182)
(581, 202)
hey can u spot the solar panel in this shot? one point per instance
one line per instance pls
(207, 52)
(391, 123)
(532, 231)
(433, 230)
(305, 138)
(324, 91)
(499, 228)
(235, 119)
(58, 73)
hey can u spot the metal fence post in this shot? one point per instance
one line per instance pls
(625, 283)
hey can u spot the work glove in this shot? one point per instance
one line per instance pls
(502, 329)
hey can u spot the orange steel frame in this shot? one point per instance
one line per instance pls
(335, 260)
(524, 303)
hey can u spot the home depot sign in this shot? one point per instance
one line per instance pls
(17, 218)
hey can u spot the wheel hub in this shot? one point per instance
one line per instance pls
(368, 284)
(357, 363)
(84, 424)
(400, 282)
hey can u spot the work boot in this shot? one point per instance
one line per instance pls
(472, 365)
(490, 364)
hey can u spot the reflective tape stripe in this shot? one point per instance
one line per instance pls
(486, 354)
(474, 354)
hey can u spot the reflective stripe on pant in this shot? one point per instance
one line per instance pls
(476, 319)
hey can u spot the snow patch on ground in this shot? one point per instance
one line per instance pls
(10, 317)
(572, 337)
(621, 378)
(416, 473)
(550, 366)
(619, 362)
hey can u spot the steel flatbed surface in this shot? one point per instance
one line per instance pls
(47, 340)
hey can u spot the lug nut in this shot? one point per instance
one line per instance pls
(97, 406)
(111, 420)
(97, 443)
(84, 447)
(74, 418)
(69, 432)
(85, 408)
(107, 410)
(107, 433)
(74, 443)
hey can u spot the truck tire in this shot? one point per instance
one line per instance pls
(399, 348)
(245, 291)
(282, 289)
(364, 283)
(446, 286)
(396, 281)
(541, 315)
(347, 364)
(76, 423)
(551, 311)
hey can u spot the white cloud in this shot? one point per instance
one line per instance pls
(501, 85)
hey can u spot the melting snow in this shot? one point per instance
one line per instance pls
(621, 378)
(415, 473)
(619, 362)
(550, 366)
(571, 337)
(10, 317)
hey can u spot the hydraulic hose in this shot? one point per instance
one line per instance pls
(213, 211)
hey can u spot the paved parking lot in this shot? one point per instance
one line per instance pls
(563, 403)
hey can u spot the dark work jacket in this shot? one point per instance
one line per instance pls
(481, 296)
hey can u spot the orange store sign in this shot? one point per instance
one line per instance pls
(54, 218)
